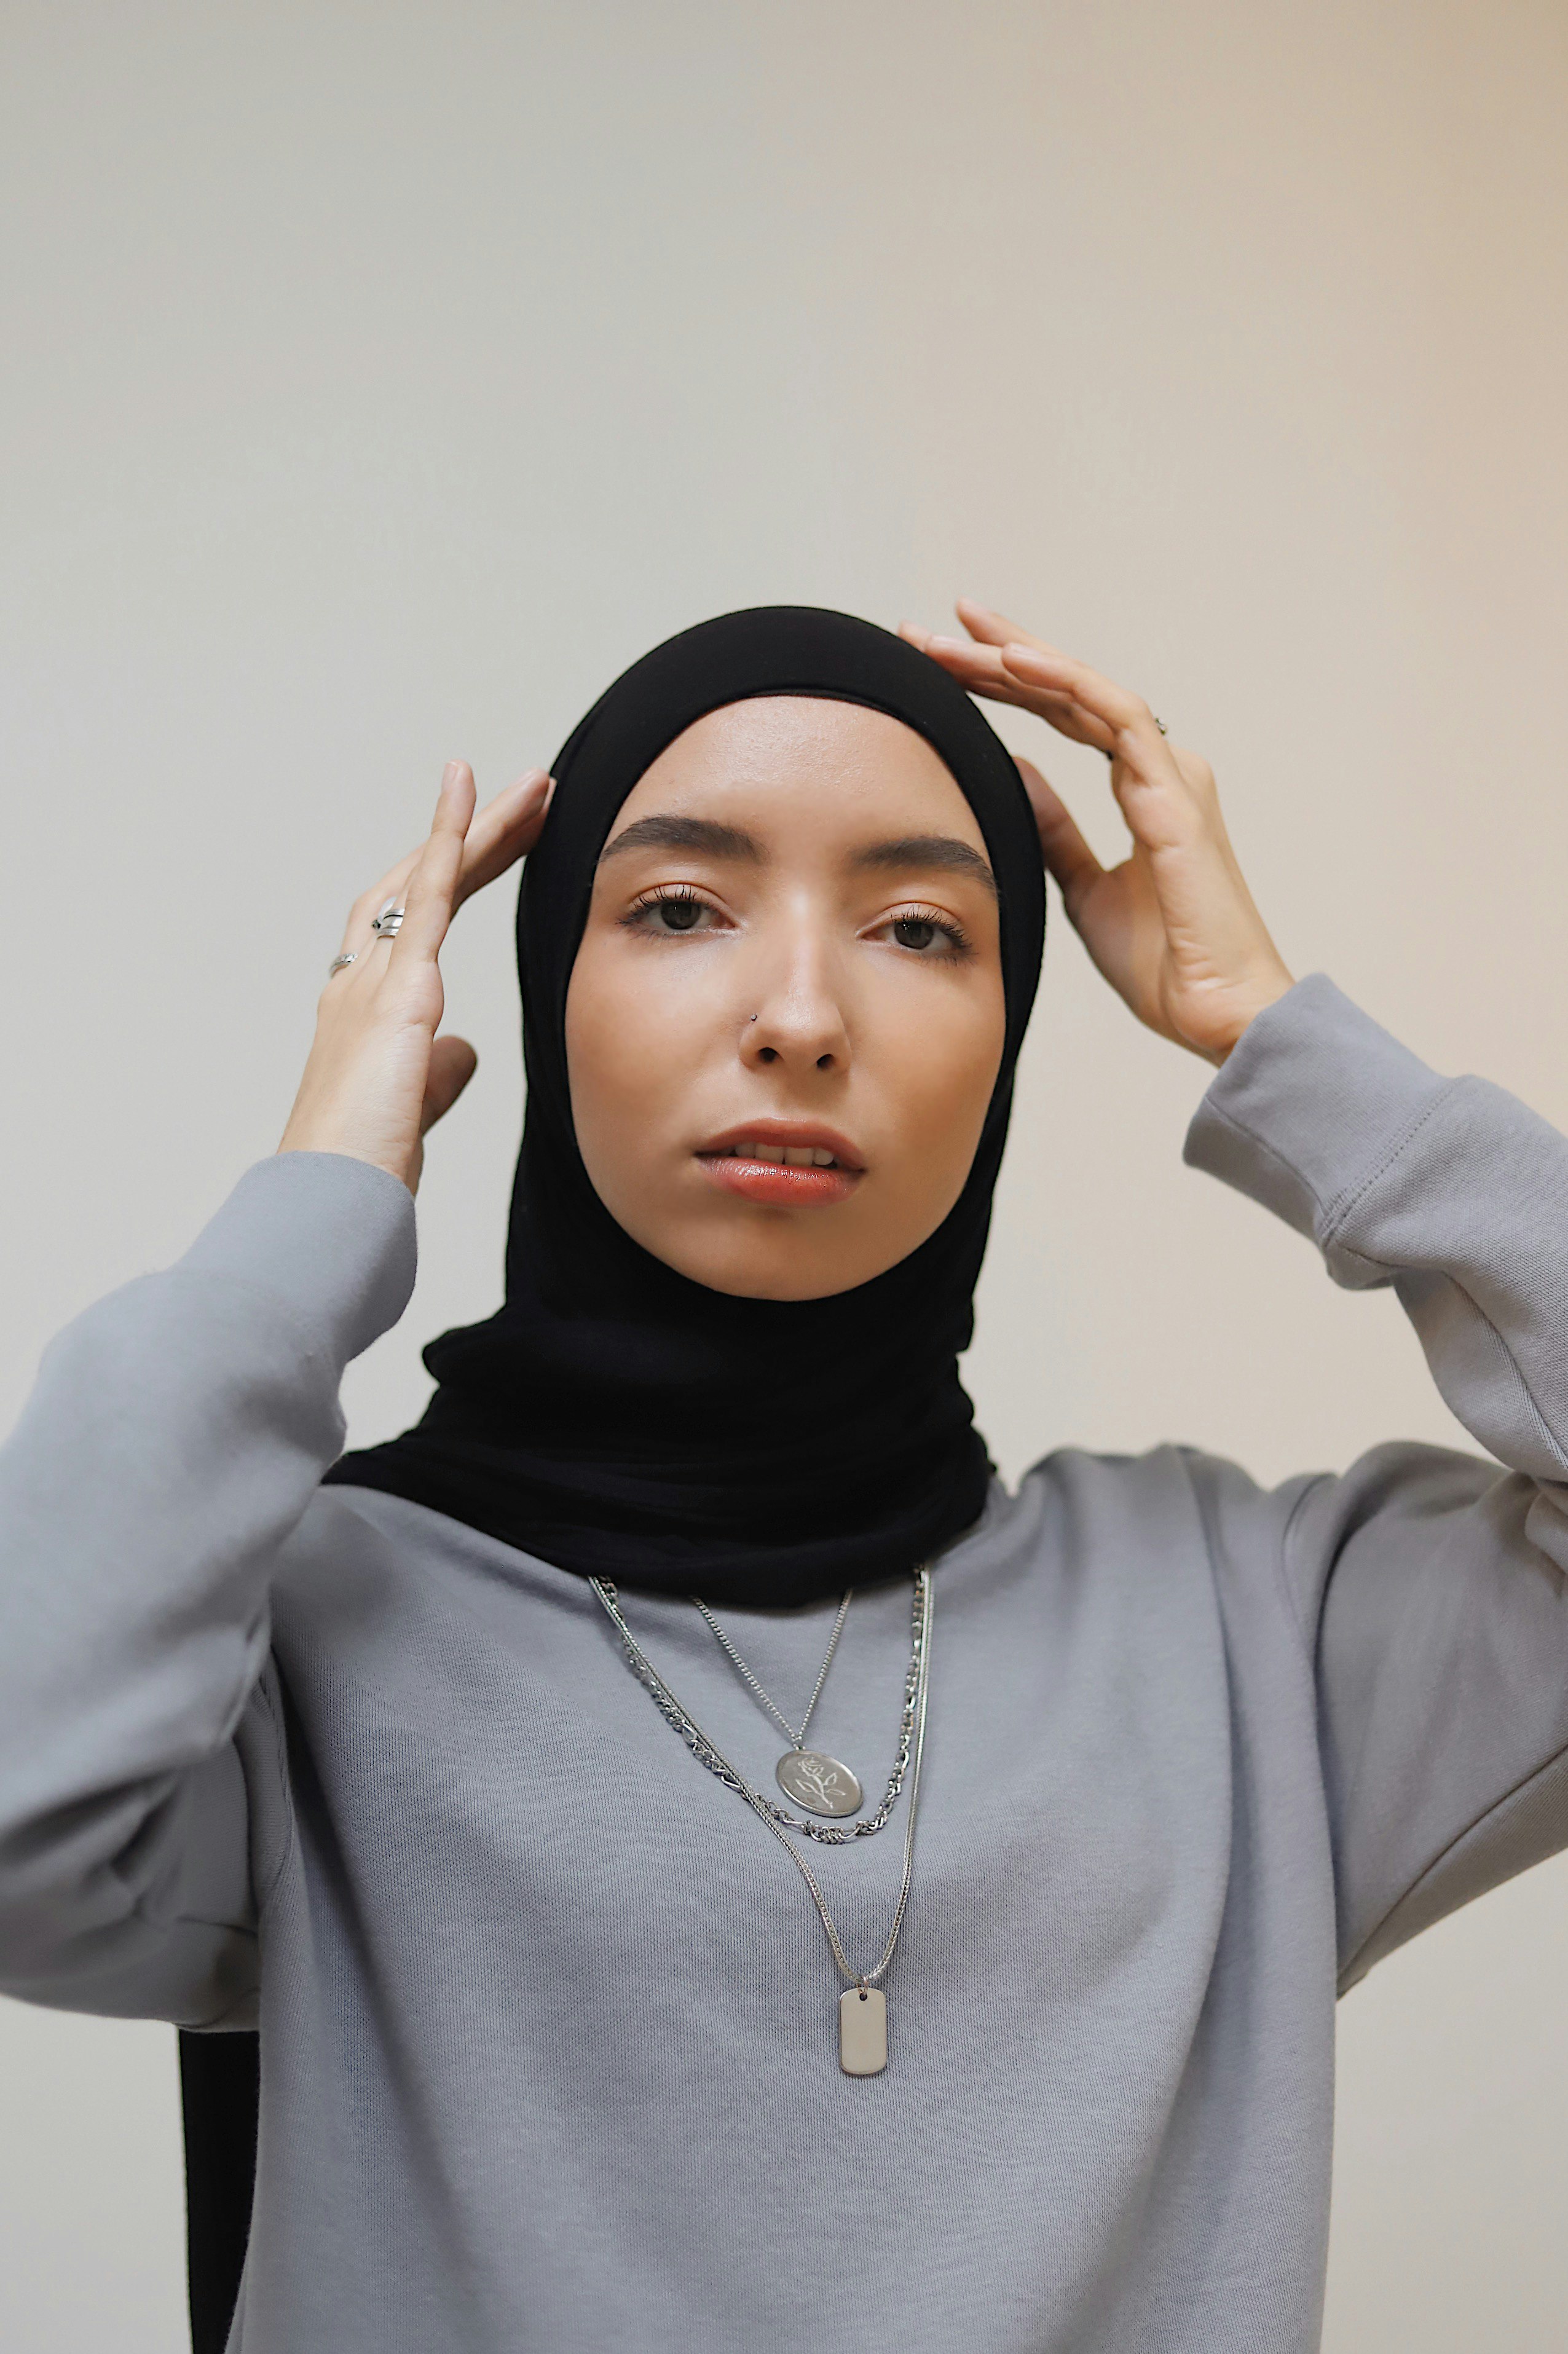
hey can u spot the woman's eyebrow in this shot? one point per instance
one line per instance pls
(686, 833)
(928, 850)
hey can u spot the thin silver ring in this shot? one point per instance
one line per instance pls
(339, 962)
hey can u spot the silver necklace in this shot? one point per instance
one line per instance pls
(863, 2007)
(809, 1777)
(704, 1750)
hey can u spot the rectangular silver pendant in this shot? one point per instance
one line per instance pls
(863, 2032)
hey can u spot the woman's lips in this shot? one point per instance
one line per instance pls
(782, 1173)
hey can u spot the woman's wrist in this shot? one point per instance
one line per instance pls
(1249, 1003)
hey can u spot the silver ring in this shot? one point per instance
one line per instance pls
(1161, 724)
(388, 920)
(339, 962)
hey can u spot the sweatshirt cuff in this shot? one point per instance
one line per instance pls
(331, 1238)
(1313, 1103)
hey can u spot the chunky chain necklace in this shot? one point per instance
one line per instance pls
(863, 2007)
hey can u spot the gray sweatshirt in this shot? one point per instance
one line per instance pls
(548, 2022)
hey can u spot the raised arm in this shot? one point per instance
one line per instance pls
(1430, 1587)
(173, 1440)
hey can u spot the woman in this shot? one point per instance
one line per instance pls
(608, 2011)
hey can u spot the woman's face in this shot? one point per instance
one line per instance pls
(786, 1018)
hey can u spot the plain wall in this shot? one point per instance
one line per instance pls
(380, 379)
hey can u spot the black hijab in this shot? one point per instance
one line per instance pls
(618, 1419)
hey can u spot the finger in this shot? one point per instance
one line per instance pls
(502, 832)
(432, 886)
(982, 670)
(1066, 854)
(974, 664)
(969, 662)
(505, 831)
(960, 661)
(452, 1064)
(1165, 808)
(356, 931)
(1125, 716)
(994, 629)
(992, 681)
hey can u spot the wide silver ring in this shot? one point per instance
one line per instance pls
(388, 920)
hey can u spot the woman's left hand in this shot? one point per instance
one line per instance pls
(1173, 929)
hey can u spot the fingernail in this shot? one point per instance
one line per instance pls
(451, 773)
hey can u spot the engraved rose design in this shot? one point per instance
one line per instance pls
(819, 1777)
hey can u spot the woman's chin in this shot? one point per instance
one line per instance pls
(779, 1257)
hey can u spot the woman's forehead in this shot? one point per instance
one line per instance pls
(773, 753)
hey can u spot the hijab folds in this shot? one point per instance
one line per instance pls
(616, 1418)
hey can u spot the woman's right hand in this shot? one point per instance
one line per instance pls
(378, 1077)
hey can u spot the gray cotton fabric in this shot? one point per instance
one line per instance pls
(548, 2023)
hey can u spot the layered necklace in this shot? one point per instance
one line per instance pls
(862, 2009)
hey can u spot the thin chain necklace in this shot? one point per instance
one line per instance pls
(863, 2007)
(809, 1777)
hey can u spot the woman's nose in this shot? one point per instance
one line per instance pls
(798, 1019)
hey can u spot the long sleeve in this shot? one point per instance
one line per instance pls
(174, 1437)
(1430, 1585)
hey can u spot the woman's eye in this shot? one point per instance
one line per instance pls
(928, 936)
(669, 911)
(915, 932)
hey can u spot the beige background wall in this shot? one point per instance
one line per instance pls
(380, 379)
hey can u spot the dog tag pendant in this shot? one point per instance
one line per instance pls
(863, 2032)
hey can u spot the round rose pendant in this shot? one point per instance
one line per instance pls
(818, 1782)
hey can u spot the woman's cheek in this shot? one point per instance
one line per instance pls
(662, 1014)
(651, 1040)
(948, 1064)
